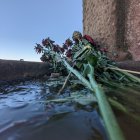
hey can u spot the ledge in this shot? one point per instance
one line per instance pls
(13, 70)
(129, 65)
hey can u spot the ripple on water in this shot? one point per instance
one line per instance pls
(23, 116)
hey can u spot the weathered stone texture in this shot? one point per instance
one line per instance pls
(114, 24)
(133, 29)
(99, 21)
(13, 70)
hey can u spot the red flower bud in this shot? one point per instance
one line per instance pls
(38, 48)
(88, 38)
(56, 48)
(47, 41)
(69, 53)
(68, 43)
(62, 50)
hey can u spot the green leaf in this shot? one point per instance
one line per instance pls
(86, 70)
(92, 60)
(83, 99)
(78, 97)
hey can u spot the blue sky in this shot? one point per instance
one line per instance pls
(26, 22)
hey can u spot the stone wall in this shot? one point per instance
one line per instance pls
(114, 24)
(133, 28)
(13, 70)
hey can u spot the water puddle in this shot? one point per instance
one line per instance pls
(25, 115)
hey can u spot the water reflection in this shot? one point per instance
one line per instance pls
(25, 115)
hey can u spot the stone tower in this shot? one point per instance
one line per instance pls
(114, 24)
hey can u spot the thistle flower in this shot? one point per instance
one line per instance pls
(76, 36)
(47, 41)
(69, 53)
(46, 58)
(38, 48)
(62, 50)
(68, 42)
(65, 47)
(56, 48)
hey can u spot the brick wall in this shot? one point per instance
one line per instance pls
(114, 24)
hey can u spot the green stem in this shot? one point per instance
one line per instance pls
(110, 121)
(130, 76)
(120, 107)
(111, 124)
(78, 75)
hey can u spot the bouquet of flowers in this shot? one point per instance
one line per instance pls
(90, 64)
